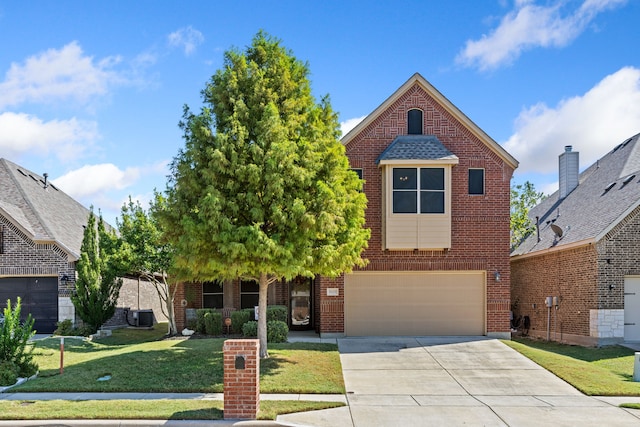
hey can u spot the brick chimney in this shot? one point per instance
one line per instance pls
(568, 164)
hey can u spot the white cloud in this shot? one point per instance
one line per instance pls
(93, 180)
(592, 123)
(186, 38)
(25, 134)
(529, 26)
(58, 75)
(349, 124)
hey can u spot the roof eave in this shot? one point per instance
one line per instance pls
(552, 249)
(447, 161)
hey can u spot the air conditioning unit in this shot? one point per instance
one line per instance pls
(143, 318)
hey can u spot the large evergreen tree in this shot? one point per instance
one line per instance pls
(99, 267)
(262, 189)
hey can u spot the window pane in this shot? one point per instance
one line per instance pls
(476, 181)
(414, 122)
(358, 172)
(405, 179)
(431, 202)
(432, 179)
(248, 300)
(212, 287)
(405, 202)
(212, 301)
(249, 286)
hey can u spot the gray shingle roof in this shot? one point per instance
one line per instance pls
(416, 147)
(45, 214)
(589, 210)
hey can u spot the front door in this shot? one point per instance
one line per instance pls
(301, 295)
(632, 308)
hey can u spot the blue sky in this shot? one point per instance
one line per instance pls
(92, 92)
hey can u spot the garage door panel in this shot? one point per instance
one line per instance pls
(425, 303)
(39, 297)
(632, 308)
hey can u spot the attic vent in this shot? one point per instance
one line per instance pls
(628, 180)
(609, 187)
(624, 144)
(52, 186)
(617, 148)
(20, 170)
(33, 178)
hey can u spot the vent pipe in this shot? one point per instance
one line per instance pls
(568, 166)
(46, 182)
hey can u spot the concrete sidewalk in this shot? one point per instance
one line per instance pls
(455, 381)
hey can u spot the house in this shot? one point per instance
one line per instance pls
(585, 253)
(41, 231)
(438, 189)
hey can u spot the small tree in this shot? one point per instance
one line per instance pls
(262, 189)
(99, 268)
(523, 198)
(146, 254)
(14, 337)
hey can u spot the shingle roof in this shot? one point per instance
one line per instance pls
(45, 214)
(416, 147)
(590, 209)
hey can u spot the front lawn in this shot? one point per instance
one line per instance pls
(177, 365)
(605, 371)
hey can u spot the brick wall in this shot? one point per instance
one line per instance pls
(480, 223)
(570, 275)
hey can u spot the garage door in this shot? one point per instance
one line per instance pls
(632, 308)
(415, 303)
(39, 298)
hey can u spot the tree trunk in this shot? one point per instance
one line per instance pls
(262, 315)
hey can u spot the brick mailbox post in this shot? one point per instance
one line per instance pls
(241, 379)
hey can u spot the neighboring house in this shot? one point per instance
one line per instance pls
(585, 253)
(438, 190)
(41, 231)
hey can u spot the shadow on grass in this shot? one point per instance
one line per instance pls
(198, 414)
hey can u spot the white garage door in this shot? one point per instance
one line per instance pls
(632, 308)
(415, 303)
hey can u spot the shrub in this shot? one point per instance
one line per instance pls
(250, 329)
(238, 319)
(277, 331)
(213, 323)
(9, 373)
(200, 319)
(277, 312)
(65, 328)
(14, 337)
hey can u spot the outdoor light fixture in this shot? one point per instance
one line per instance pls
(497, 275)
(64, 279)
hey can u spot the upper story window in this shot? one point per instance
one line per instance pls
(358, 172)
(414, 122)
(418, 190)
(476, 181)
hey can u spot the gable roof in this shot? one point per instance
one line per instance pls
(417, 79)
(44, 213)
(607, 192)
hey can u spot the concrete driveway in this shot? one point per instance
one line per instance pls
(451, 381)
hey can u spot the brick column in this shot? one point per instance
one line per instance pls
(241, 379)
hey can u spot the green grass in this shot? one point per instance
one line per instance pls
(605, 371)
(176, 365)
(142, 361)
(143, 409)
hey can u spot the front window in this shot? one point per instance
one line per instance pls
(428, 184)
(212, 294)
(249, 293)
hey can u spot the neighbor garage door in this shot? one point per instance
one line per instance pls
(39, 297)
(414, 303)
(632, 308)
